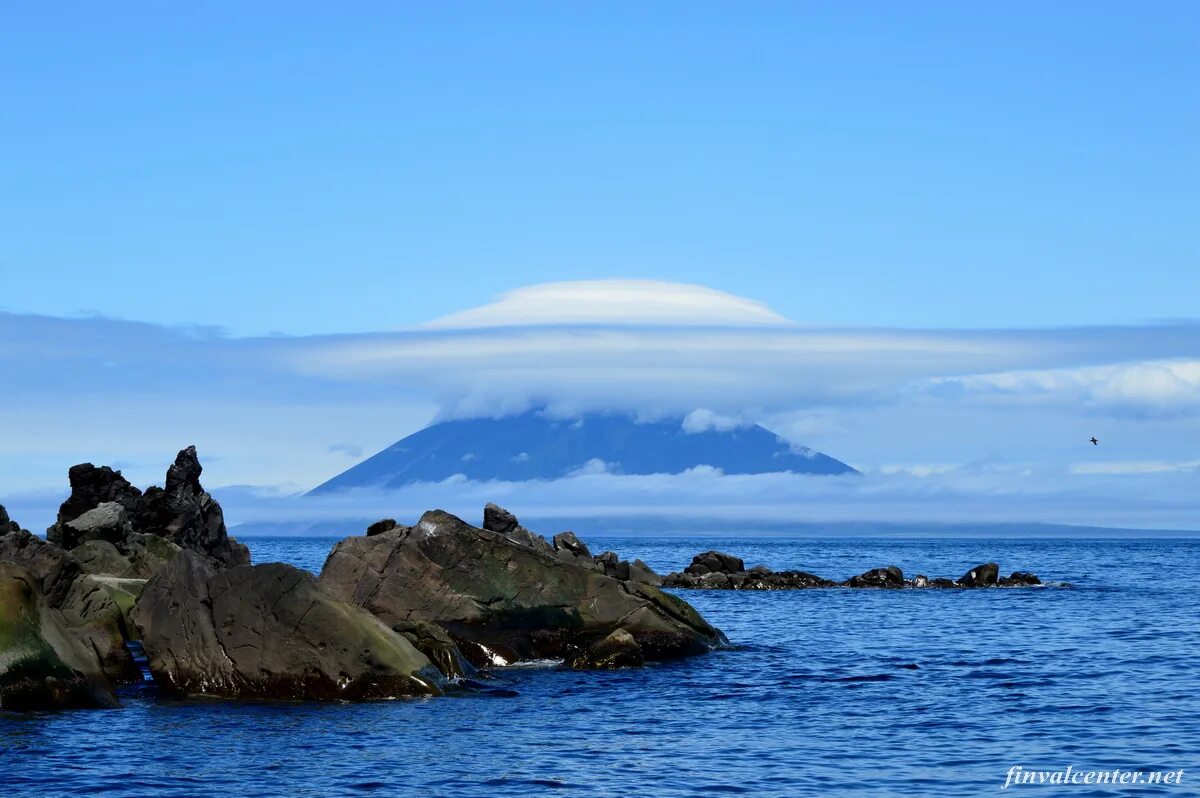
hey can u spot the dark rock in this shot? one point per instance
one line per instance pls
(42, 665)
(986, 575)
(1020, 578)
(618, 650)
(96, 612)
(91, 487)
(890, 576)
(269, 631)
(379, 527)
(104, 506)
(920, 580)
(497, 519)
(612, 565)
(784, 580)
(760, 570)
(715, 562)
(943, 582)
(7, 524)
(566, 541)
(501, 600)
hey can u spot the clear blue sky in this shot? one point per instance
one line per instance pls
(317, 167)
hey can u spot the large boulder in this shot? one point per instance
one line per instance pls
(54, 568)
(269, 631)
(42, 665)
(985, 575)
(501, 600)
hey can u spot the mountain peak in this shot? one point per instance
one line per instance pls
(534, 445)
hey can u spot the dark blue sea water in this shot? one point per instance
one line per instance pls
(819, 696)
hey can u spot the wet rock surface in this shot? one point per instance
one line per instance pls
(42, 665)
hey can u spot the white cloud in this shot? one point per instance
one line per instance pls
(1146, 386)
(702, 420)
(613, 302)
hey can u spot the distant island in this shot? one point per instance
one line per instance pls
(534, 445)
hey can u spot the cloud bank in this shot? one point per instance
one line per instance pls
(293, 411)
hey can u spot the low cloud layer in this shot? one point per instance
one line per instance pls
(292, 411)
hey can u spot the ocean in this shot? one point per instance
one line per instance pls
(822, 692)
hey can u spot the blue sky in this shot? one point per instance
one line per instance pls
(943, 242)
(306, 168)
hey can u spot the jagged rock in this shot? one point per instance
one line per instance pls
(986, 575)
(7, 524)
(381, 526)
(269, 631)
(104, 506)
(1020, 578)
(497, 519)
(501, 600)
(90, 488)
(715, 562)
(618, 650)
(55, 569)
(568, 542)
(891, 576)
(42, 665)
(148, 553)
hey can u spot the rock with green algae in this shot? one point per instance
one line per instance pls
(42, 664)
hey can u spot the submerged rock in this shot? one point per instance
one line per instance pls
(1020, 578)
(42, 665)
(269, 631)
(501, 600)
(617, 650)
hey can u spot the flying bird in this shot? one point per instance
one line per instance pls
(1094, 441)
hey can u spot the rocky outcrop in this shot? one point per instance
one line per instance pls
(497, 519)
(612, 565)
(104, 506)
(501, 600)
(891, 576)
(269, 631)
(715, 562)
(42, 665)
(713, 570)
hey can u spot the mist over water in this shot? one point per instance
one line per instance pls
(824, 692)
